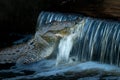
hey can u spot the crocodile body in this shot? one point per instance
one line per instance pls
(40, 46)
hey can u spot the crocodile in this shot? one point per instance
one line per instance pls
(40, 46)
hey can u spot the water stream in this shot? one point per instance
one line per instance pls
(91, 51)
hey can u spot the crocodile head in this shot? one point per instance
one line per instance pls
(42, 45)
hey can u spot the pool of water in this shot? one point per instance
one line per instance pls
(47, 69)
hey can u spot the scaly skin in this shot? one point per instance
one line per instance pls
(40, 46)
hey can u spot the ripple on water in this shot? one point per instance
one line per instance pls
(46, 69)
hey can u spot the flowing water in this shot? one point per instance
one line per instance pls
(100, 42)
(91, 51)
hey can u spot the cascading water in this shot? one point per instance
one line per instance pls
(47, 17)
(99, 42)
(65, 47)
(90, 41)
(66, 43)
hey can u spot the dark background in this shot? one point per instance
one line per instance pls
(19, 17)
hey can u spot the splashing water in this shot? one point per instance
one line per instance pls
(66, 43)
(65, 47)
(96, 41)
(99, 40)
(89, 40)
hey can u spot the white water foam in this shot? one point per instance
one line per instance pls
(46, 68)
(65, 47)
(66, 43)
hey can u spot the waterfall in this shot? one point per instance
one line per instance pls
(66, 43)
(65, 47)
(96, 40)
(47, 17)
(80, 49)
